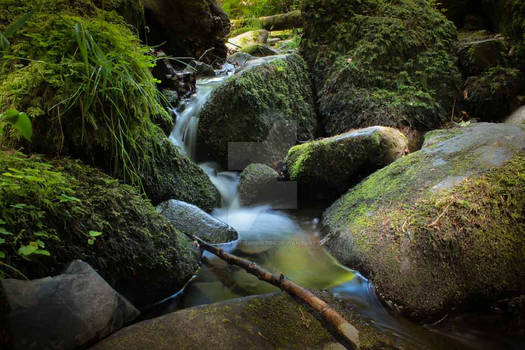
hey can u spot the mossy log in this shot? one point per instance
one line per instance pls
(281, 21)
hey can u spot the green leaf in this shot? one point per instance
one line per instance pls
(91, 241)
(2, 254)
(10, 113)
(27, 250)
(4, 43)
(2, 222)
(24, 126)
(3, 231)
(15, 26)
(65, 198)
(20, 121)
(19, 206)
(40, 244)
(95, 233)
(42, 252)
(2, 241)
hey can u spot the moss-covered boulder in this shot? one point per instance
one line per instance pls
(378, 62)
(503, 16)
(493, 79)
(259, 50)
(271, 93)
(493, 94)
(188, 28)
(441, 226)
(172, 175)
(332, 164)
(270, 321)
(476, 56)
(53, 211)
(258, 184)
(81, 74)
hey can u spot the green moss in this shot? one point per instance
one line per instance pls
(58, 201)
(423, 224)
(97, 107)
(492, 95)
(336, 162)
(258, 50)
(245, 107)
(380, 62)
(473, 230)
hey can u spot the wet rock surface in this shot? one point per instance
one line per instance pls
(269, 321)
(67, 311)
(193, 220)
(258, 185)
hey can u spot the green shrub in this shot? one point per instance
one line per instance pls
(257, 8)
(82, 76)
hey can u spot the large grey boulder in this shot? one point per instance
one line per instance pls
(269, 100)
(68, 311)
(441, 226)
(333, 163)
(191, 219)
(270, 321)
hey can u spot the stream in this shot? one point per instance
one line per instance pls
(288, 242)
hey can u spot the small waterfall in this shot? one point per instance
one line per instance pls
(184, 135)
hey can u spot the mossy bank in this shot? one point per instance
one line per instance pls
(55, 210)
(79, 71)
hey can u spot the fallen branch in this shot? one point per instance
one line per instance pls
(344, 329)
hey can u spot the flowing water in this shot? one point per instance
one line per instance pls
(284, 242)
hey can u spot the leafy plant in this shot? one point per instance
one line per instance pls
(87, 81)
(257, 8)
(19, 121)
(29, 191)
(10, 31)
(93, 236)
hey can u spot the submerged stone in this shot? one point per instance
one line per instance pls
(431, 229)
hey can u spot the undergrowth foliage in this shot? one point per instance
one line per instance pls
(86, 83)
(29, 192)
